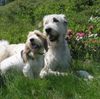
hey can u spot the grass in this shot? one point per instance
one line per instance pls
(69, 87)
(21, 16)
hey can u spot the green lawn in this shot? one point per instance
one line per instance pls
(69, 87)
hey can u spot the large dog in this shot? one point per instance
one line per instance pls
(30, 60)
(57, 58)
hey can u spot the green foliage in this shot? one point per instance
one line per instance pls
(83, 4)
(86, 48)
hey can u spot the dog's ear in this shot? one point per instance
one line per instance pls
(43, 38)
(64, 18)
(26, 50)
(25, 54)
(65, 21)
(45, 45)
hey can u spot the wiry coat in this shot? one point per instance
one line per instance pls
(57, 58)
(29, 60)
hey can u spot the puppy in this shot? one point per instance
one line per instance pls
(57, 58)
(31, 59)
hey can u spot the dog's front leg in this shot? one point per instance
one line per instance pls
(56, 73)
(27, 71)
(46, 71)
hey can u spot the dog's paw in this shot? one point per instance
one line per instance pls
(43, 74)
(84, 74)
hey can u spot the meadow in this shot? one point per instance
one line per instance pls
(18, 17)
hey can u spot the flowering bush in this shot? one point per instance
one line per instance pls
(86, 48)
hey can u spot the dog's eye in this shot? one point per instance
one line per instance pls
(55, 20)
(65, 22)
(46, 22)
(38, 35)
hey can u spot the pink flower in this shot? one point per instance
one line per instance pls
(80, 34)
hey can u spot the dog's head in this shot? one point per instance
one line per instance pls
(55, 26)
(36, 42)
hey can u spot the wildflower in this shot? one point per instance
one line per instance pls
(69, 34)
(80, 35)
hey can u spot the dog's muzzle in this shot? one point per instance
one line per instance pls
(52, 37)
(48, 31)
(33, 44)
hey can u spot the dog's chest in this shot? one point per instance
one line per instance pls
(56, 60)
(37, 64)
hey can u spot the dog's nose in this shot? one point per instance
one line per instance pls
(32, 39)
(48, 30)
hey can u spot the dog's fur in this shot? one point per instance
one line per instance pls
(7, 50)
(3, 49)
(30, 60)
(57, 58)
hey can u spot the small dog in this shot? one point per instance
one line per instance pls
(31, 59)
(57, 58)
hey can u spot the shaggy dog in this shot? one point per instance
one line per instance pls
(57, 58)
(30, 60)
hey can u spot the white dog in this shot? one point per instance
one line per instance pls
(31, 59)
(7, 50)
(57, 58)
